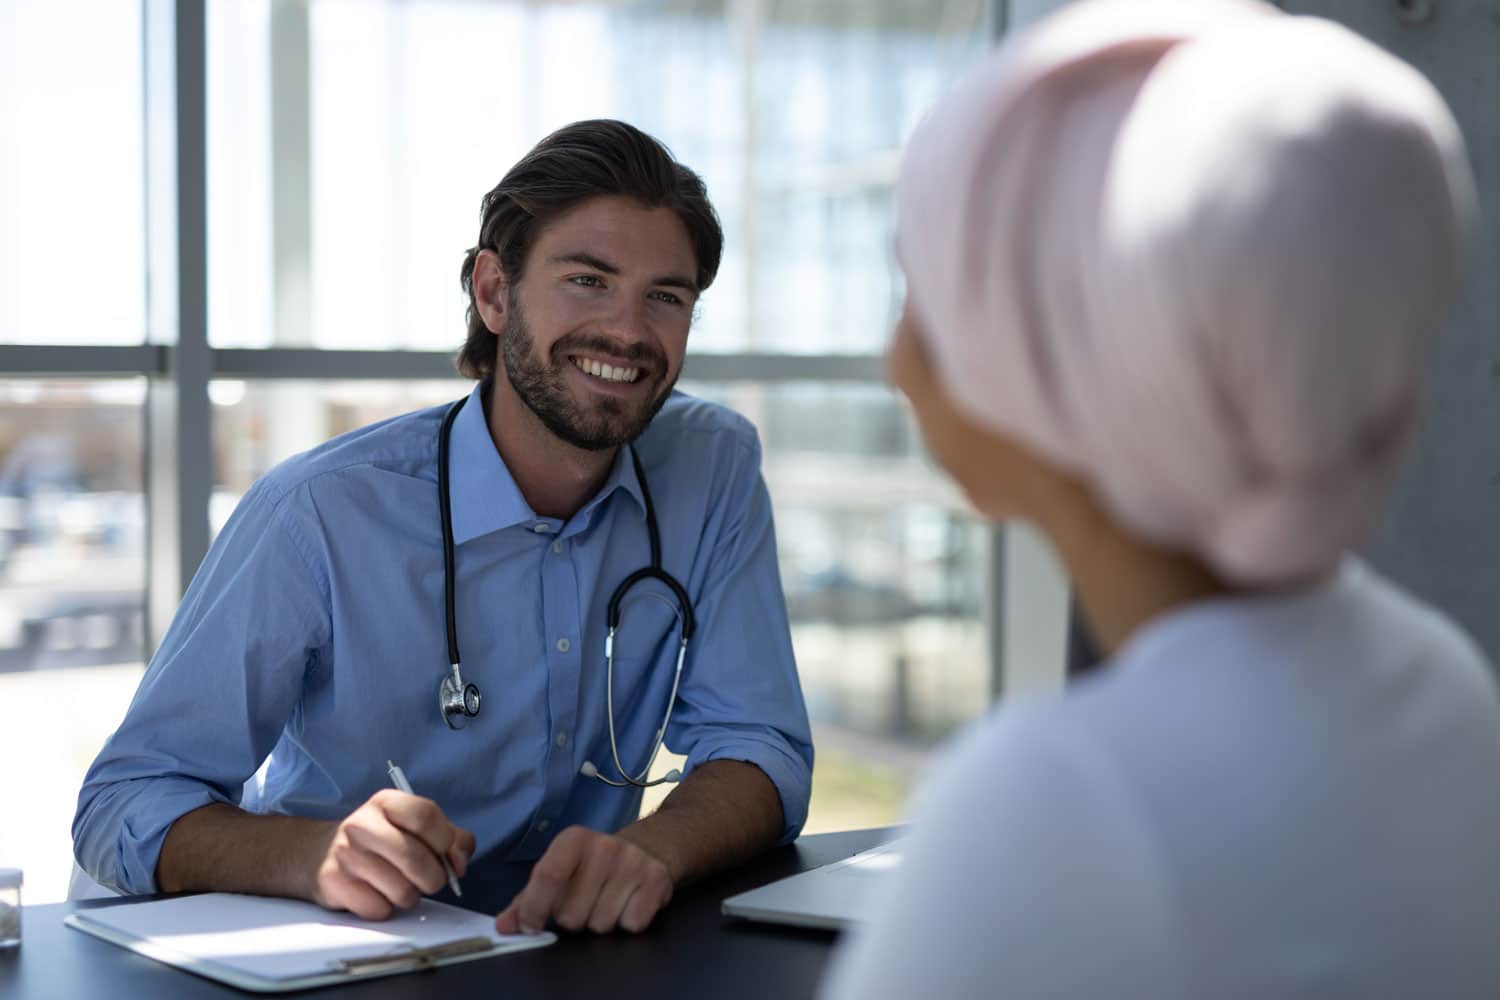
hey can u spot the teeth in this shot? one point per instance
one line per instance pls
(609, 372)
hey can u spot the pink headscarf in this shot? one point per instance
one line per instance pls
(1193, 253)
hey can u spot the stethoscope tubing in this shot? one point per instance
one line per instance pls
(445, 508)
(686, 618)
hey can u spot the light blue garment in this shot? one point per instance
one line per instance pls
(314, 632)
(1282, 795)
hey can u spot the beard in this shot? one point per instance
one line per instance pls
(603, 422)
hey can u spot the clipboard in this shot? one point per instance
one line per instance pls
(268, 945)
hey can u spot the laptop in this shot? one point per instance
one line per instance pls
(829, 898)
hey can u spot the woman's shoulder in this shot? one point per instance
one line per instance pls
(1024, 843)
(1037, 777)
(1400, 625)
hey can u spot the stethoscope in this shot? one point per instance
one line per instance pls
(459, 702)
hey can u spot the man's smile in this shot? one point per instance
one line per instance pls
(603, 369)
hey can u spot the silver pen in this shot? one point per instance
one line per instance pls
(398, 778)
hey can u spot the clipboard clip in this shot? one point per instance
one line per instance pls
(413, 959)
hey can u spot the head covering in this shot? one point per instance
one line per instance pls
(1193, 253)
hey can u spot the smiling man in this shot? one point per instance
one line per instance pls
(613, 587)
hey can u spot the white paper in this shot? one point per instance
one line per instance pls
(285, 938)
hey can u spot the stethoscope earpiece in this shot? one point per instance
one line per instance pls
(588, 770)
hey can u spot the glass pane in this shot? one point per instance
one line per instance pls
(72, 523)
(834, 90)
(881, 561)
(72, 216)
(238, 139)
(72, 597)
(792, 112)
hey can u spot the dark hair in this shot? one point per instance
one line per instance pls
(577, 162)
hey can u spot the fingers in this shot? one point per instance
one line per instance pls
(643, 906)
(422, 819)
(603, 915)
(340, 891)
(387, 853)
(461, 851)
(368, 867)
(409, 859)
(593, 880)
(529, 911)
(598, 874)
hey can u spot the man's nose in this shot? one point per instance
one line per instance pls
(627, 320)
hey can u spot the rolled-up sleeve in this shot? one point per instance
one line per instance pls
(740, 697)
(214, 698)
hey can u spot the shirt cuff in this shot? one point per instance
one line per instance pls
(791, 775)
(139, 826)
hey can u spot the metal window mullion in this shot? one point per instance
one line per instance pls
(81, 360)
(165, 362)
(994, 566)
(179, 432)
(312, 363)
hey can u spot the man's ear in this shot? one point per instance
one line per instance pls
(490, 290)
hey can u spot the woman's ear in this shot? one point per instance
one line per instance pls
(907, 367)
(490, 290)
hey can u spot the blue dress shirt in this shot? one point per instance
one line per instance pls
(314, 633)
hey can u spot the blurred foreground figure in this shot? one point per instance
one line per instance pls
(1174, 270)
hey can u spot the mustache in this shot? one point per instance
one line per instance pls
(643, 355)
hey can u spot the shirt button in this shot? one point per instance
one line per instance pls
(563, 645)
(557, 547)
(561, 740)
(543, 824)
(541, 527)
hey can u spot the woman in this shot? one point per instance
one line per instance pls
(1172, 271)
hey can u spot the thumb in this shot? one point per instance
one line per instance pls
(507, 922)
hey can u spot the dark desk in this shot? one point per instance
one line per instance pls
(690, 951)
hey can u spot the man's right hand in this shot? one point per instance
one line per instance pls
(385, 855)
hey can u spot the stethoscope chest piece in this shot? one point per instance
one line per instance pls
(458, 702)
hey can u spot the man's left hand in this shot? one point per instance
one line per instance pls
(590, 879)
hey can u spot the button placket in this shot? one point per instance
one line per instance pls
(563, 623)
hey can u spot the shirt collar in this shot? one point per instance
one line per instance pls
(621, 477)
(484, 495)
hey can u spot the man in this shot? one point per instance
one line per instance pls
(315, 630)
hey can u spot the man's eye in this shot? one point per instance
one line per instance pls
(668, 298)
(587, 280)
